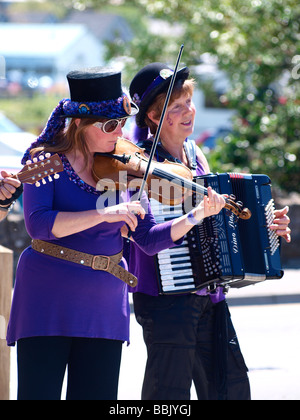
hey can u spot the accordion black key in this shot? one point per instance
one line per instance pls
(223, 250)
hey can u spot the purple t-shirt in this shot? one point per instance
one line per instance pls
(53, 297)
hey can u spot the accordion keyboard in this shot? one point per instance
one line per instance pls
(174, 265)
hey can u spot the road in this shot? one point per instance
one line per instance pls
(267, 321)
(268, 332)
(269, 336)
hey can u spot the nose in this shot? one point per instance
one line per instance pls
(191, 106)
(188, 107)
(119, 129)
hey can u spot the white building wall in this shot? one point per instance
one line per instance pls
(208, 118)
(86, 51)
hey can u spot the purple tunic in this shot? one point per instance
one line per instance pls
(60, 298)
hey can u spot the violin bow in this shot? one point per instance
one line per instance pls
(156, 138)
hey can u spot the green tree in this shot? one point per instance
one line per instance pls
(257, 44)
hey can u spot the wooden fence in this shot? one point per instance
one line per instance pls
(6, 274)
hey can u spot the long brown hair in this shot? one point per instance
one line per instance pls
(70, 138)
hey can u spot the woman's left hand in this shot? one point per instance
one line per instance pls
(211, 204)
(281, 224)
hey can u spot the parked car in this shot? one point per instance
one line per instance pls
(209, 137)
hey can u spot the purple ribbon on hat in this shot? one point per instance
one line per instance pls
(107, 109)
(163, 75)
(67, 109)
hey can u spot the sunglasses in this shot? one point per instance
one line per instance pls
(111, 125)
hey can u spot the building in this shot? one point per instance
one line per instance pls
(105, 26)
(48, 49)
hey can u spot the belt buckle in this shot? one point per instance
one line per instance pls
(95, 266)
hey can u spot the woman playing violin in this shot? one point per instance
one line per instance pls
(180, 331)
(70, 306)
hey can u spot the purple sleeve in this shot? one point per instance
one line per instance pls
(38, 211)
(150, 237)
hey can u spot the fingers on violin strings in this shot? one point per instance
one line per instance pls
(211, 199)
(216, 201)
(207, 205)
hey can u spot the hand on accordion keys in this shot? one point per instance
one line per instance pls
(281, 224)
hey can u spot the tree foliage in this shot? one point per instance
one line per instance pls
(257, 44)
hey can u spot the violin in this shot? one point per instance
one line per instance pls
(124, 169)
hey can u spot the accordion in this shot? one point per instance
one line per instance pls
(223, 250)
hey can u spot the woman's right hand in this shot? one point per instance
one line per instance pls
(124, 212)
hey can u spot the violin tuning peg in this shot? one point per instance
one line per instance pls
(37, 184)
(41, 157)
(56, 176)
(49, 178)
(44, 182)
(34, 160)
(47, 155)
(28, 162)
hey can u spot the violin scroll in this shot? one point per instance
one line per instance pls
(237, 208)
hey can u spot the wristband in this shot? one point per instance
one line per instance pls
(193, 221)
(4, 208)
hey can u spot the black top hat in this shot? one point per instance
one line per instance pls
(97, 92)
(149, 82)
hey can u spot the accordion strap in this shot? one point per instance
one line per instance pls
(189, 147)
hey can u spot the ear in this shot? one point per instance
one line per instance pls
(151, 116)
(77, 121)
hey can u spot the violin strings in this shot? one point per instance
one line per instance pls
(179, 180)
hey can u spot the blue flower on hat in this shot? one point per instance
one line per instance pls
(84, 109)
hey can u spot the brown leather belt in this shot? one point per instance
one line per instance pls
(96, 262)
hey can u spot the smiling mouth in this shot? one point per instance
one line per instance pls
(187, 123)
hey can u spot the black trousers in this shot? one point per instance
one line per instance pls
(189, 338)
(93, 368)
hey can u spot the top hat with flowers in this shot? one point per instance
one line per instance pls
(149, 82)
(95, 93)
